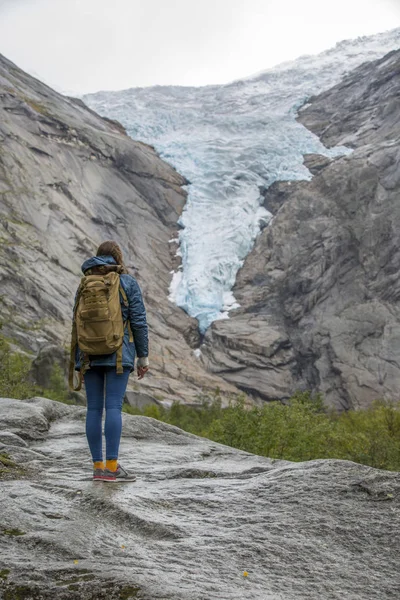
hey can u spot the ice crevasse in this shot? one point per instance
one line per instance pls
(229, 141)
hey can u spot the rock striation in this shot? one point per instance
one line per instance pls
(70, 179)
(319, 293)
(199, 515)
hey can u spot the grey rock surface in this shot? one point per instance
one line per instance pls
(319, 293)
(6, 437)
(140, 400)
(69, 180)
(199, 515)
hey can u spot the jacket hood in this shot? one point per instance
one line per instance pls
(97, 261)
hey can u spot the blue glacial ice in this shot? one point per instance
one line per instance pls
(228, 141)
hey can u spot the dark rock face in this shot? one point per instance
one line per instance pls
(320, 291)
(68, 181)
(47, 359)
(364, 108)
(199, 515)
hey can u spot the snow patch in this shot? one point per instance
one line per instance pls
(174, 285)
(230, 302)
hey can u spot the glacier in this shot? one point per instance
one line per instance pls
(230, 141)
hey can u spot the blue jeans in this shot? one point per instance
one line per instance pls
(103, 383)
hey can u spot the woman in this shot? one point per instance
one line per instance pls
(105, 380)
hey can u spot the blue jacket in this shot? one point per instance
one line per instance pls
(135, 312)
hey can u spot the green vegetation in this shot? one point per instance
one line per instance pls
(20, 592)
(37, 107)
(5, 460)
(128, 592)
(12, 532)
(303, 429)
(16, 380)
(14, 373)
(8, 468)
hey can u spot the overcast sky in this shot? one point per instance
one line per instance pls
(80, 46)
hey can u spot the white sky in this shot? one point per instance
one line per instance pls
(80, 46)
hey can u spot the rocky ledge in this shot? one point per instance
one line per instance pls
(203, 521)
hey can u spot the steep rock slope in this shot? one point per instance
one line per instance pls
(199, 515)
(70, 179)
(320, 292)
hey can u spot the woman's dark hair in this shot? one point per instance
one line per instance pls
(111, 248)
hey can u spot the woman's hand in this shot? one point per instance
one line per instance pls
(141, 371)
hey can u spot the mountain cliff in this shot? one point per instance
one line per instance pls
(69, 180)
(320, 291)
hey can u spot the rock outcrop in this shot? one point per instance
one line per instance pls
(198, 517)
(320, 291)
(70, 179)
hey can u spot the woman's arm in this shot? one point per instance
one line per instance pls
(138, 321)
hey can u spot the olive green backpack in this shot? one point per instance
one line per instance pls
(97, 326)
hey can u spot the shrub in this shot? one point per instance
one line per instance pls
(14, 373)
(16, 381)
(303, 429)
(371, 436)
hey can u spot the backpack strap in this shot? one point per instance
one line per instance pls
(123, 294)
(126, 303)
(118, 359)
(74, 344)
(84, 367)
(118, 362)
(72, 359)
(86, 364)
